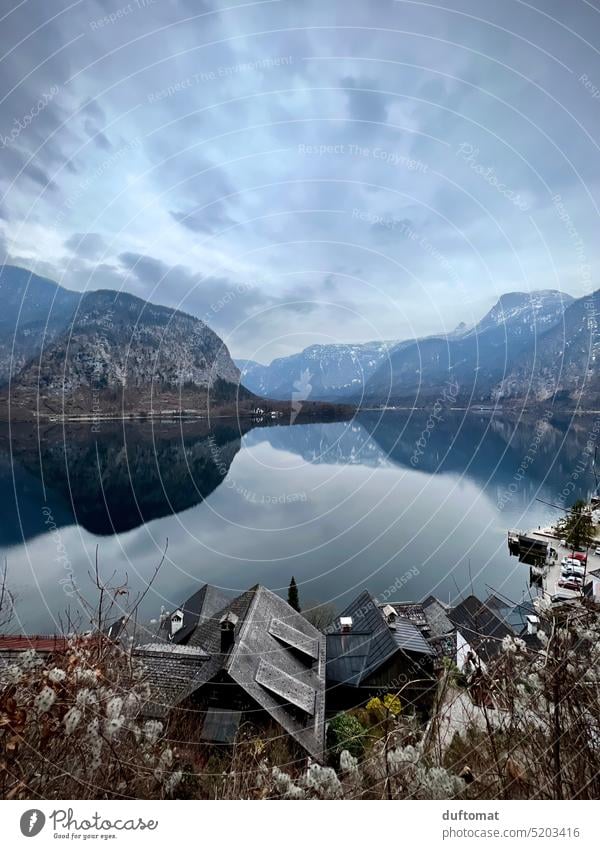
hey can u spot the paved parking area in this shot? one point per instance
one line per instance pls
(553, 576)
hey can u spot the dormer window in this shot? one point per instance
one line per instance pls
(176, 622)
(390, 614)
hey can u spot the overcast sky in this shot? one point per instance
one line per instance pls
(296, 171)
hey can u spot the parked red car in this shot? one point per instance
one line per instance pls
(571, 583)
(579, 555)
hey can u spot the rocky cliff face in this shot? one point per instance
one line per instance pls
(563, 365)
(115, 340)
(105, 351)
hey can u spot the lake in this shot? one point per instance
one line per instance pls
(398, 503)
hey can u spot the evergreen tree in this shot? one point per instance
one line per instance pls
(577, 527)
(293, 598)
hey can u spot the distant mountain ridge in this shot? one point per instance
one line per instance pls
(476, 362)
(323, 372)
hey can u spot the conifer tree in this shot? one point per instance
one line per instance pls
(293, 598)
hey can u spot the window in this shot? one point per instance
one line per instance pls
(221, 725)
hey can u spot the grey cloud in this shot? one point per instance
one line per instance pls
(88, 245)
(96, 134)
(206, 220)
(146, 269)
(365, 103)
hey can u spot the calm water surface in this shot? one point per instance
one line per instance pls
(381, 502)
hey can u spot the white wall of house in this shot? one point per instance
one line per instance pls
(462, 652)
(595, 587)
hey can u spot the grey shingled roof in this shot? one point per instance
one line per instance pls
(169, 671)
(483, 629)
(285, 682)
(353, 657)
(437, 618)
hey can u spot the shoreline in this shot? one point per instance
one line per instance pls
(320, 410)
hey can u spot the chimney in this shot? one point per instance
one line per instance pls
(227, 624)
(346, 624)
(532, 624)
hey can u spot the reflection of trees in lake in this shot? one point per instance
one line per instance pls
(115, 481)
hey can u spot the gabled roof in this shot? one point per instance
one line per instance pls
(352, 657)
(437, 618)
(202, 605)
(283, 678)
(512, 614)
(480, 626)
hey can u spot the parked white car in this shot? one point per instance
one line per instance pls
(576, 570)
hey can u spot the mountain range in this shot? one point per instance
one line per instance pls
(108, 353)
(530, 347)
